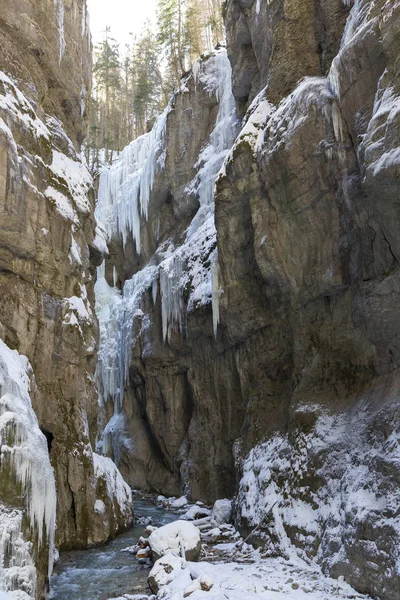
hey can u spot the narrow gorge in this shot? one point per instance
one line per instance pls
(214, 313)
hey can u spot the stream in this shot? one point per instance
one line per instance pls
(107, 572)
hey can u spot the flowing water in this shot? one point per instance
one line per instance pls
(106, 572)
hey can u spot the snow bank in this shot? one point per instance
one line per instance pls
(24, 458)
(272, 579)
(174, 538)
(357, 488)
(118, 491)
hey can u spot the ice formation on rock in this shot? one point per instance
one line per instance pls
(188, 267)
(118, 492)
(125, 187)
(124, 195)
(60, 14)
(25, 462)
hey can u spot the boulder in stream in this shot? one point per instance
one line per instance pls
(179, 537)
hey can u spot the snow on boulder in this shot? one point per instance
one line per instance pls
(222, 512)
(179, 537)
(114, 497)
(193, 587)
(165, 570)
(180, 502)
(196, 512)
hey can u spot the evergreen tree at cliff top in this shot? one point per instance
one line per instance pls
(129, 93)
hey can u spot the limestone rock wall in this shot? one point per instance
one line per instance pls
(309, 294)
(46, 46)
(294, 404)
(49, 246)
(153, 432)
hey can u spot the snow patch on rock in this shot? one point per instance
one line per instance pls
(24, 459)
(178, 537)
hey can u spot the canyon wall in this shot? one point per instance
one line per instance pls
(265, 362)
(49, 248)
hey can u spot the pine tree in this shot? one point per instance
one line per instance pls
(147, 96)
(107, 73)
(171, 35)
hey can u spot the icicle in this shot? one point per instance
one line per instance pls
(172, 304)
(186, 270)
(59, 6)
(118, 314)
(155, 291)
(124, 189)
(216, 292)
(23, 448)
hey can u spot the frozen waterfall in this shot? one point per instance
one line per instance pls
(123, 202)
(24, 457)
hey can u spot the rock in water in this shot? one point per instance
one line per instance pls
(222, 512)
(164, 571)
(173, 538)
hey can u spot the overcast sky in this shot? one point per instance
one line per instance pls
(123, 16)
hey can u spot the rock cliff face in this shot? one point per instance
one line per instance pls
(295, 403)
(49, 249)
(315, 179)
(151, 428)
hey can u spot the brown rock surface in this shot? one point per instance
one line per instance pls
(307, 230)
(48, 250)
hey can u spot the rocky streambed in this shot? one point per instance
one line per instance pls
(111, 570)
(177, 550)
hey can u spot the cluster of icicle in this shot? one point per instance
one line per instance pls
(24, 459)
(125, 187)
(124, 195)
(186, 266)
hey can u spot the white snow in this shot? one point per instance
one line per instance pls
(124, 189)
(171, 537)
(62, 203)
(99, 506)
(166, 569)
(270, 579)
(100, 240)
(77, 310)
(180, 502)
(23, 448)
(117, 488)
(75, 251)
(17, 108)
(77, 178)
(222, 511)
(274, 490)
